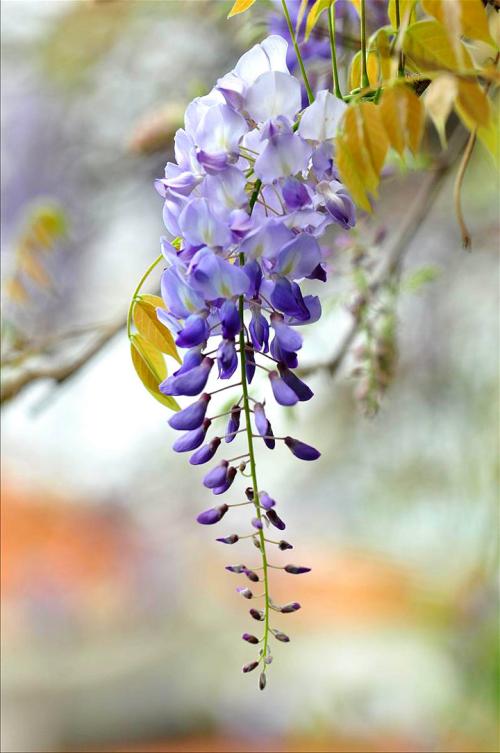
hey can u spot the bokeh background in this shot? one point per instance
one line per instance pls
(121, 629)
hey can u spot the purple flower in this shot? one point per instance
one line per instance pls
(300, 388)
(234, 423)
(265, 501)
(283, 394)
(194, 332)
(192, 416)
(230, 320)
(217, 476)
(263, 426)
(245, 592)
(213, 515)
(253, 271)
(288, 339)
(227, 360)
(190, 383)
(301, 449)
(250, 364)
(191, 359)
(259, 331)
(299, 257)
(295, 194)
(286, 297)
(227, 483)
(205, 453)
(257, 523)
(192, 439)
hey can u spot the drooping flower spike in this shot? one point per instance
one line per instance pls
(251, 192)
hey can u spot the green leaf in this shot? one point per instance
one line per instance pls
(313, 16)
(420, 277)
(427, 44)
(151, 369)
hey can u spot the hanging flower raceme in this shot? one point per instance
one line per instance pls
(253, 189)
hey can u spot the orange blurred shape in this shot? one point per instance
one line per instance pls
(73, 545)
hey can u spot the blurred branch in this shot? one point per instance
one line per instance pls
(416, 214)
(58, 373)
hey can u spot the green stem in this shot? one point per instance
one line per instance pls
(136, 292)
(331, 29)
(401, 60)
(253, 473)
(365, 81)
(309, 91)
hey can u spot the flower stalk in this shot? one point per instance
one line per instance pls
(333, 47)
(293, 37)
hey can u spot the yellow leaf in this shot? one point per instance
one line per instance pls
(16, 291)
(353, 128)
(472, 104)
(490, 137)
(376, 140)
(151, 369)
(402, 114)
(406, 12)
(154, 300)
(438, 101)
(30, 265)
(312, 17)
(466, 18)
(378, 62)
(393, 112)
(428, 46)
(349, 172)
(240, 6)
(147, 323)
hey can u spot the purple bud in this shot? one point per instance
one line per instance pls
(229, 480)
(192, 358)
(293, 607)
(254, 273)
(217, 476)
(274, 518)
(249, 493)
(296, 569)
(262, 680)
(250, 638)
(281, 636)
(263, 425)
(190, 383)
(251, 575)
(232, 539)
(283, 394)
(233, 423)
(284, 545)
(213, 515)
(266, 501)
(256, 542)
(302, 450)
(205, 453)
(236, 568)
(230, 320)
(249, 364)
(192, 416)
(268, 659)
(257, 523)
(297, 385)
(191, 439)
(257, 614)
(287, 297)
(249, 667)
(295, 194)
(245, 592)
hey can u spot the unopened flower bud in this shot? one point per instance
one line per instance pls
(284, 545)
(257, 523)
(268, 659)
(293, 607)
(257, 614)
(281, 636)
(262, 680)
(256, 542)
(249, 667)
(236, 568)
(249, 493)
(252, 576)
(274, 518)
(297, 570)
(217, 476)
(229, 480)
(250, 638)
(301, 449)
(232, 539)
(245, 592)
(213, 515)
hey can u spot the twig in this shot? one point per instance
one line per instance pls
(457, 189)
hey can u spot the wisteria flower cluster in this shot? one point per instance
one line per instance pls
(253, 189)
